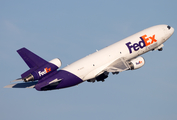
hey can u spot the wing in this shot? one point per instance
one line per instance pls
(118, 65)
(115, 67)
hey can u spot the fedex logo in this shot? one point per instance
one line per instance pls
(145, 41)
(46, 70)
(137, 63)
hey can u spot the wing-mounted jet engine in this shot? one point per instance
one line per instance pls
(136, 63)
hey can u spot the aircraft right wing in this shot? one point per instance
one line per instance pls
(118, 65)
(115, 67)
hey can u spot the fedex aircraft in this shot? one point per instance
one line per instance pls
(120, 56)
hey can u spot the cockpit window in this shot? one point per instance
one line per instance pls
(168, 27)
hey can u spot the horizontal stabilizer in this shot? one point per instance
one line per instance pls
(18, 80)
(22, 85)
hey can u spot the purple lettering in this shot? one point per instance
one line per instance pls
(142, 43)
(129, 46)
(136, 46)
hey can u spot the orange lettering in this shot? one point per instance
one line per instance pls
(153, 39)
(48, 69)
(146, 40)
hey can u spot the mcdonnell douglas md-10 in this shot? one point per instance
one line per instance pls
(120, 56)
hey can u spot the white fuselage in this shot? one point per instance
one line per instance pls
(90, 66)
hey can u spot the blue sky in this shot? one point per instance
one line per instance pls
(70, 30)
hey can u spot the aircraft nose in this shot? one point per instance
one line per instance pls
(171, 29)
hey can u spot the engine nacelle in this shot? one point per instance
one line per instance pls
(42, 71)
(136, 63)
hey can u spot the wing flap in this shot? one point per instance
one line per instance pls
(118, 65)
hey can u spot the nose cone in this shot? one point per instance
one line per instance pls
(168, 32)
(172, 30)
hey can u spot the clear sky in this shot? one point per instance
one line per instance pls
(72, 29)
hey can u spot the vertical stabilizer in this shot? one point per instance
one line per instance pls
(31, 59)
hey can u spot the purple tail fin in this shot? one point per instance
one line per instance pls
(31, 59)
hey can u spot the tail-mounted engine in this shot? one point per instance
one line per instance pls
(136, 63)
(39, 72)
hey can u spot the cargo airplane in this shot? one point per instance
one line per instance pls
(120, 56)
